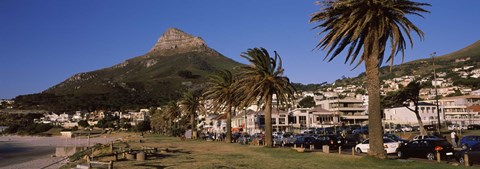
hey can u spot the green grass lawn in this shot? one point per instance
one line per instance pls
(203, 154)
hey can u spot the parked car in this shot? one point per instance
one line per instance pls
(333, 141)
(473, 127)
(306, 141)
(469, 141)
(361, 130)
(389, 144)
(426, 148)
(452, 127)
(473, 154)
(430, 127)
(421, 137)
(395, 138)
(406, 128)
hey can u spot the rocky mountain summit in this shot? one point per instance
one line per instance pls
(175, 39)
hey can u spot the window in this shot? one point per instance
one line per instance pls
(303, 120)
(281, 120)
(274, 120)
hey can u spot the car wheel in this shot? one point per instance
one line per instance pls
(359, 150)
(430, 156)
(400, 154)
(464, 146)
(461, 160)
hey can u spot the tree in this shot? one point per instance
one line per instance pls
(83, 123)
(261, 80)
(366, 26)
(143, 126)
(307, 102)
(221, 89)
(190, 104)
(405, 96)
(172, 113)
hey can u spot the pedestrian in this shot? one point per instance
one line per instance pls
(453, 136)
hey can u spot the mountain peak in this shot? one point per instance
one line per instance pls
(175, 38)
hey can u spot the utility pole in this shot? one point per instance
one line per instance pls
(436, 91)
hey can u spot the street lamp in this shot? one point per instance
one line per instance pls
(436, 91)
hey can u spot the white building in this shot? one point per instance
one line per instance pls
(455, 108)
(402, 115)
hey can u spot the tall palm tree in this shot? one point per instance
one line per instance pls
(172, 112)
(366, 26)
(190, 103)
(221, 90)
(260, 81)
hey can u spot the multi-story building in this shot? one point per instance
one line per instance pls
(455, 109)
(349, 110)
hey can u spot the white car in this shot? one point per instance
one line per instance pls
(389, 144)
(406, 128)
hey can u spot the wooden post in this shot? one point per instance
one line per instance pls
(465, 158)
(110, 165)
(438, 157)
(339, 149)
(353, 151)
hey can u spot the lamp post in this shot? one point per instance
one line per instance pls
(436, 91)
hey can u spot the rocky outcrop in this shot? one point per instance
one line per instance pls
(175, 39)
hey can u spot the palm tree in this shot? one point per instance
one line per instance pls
(261, 80)
(221, 91)
(368, 25)
(172, 112)
(190, 103)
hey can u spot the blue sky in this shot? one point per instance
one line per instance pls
(44, 42)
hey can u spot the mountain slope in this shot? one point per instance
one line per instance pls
(176, 62)
(424, 67)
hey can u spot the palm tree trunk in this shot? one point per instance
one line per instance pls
(229, 125)
(268, 121)
(374, 113)
(194, 126)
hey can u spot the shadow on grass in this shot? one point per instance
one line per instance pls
(151, 165)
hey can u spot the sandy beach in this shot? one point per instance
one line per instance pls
(24, 152)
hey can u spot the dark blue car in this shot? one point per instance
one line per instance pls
(469, 141)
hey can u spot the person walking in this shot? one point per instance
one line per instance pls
(453, 137)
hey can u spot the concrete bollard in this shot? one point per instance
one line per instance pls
(130, 156)
(466, 160)
(326, 149)
(353, 151)
(110, 165)
(115, 156)
(88, 163)
(438, 157)
(294, 145)
(301, 145)
(339, 149)
(141, 156)
(312, 147)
